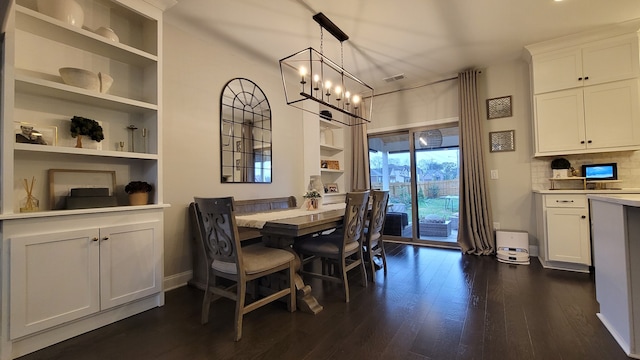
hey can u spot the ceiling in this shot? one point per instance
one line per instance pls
(426, 40)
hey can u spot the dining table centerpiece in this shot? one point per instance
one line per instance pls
(312, 197)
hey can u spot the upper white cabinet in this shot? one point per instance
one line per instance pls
(586, 92)
(604, 61)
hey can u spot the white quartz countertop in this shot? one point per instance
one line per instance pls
(591, 191)
(621, 199)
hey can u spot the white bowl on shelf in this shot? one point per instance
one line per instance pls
(80, 77)
(108, 33)
(68, 11)
(105, 82)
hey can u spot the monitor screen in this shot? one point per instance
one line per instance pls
(600, 171)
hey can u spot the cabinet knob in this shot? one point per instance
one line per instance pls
(584, 216)
(564, 201)
(589, 142)
(586, 78)
(94, 239)
(579, 79)
(582, 142)
(105, 238)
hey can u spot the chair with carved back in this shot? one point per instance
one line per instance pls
(372, 244)
(341, 248)
(227, 259)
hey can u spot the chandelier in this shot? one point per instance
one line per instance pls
(309, 76)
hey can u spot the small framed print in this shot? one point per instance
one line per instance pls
(499, 107)
(28, 133)
(238, 164)
(238, 146)
(332, 188)
(502, 141)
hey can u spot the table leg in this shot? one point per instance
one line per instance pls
(306, 302)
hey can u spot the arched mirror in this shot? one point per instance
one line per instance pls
(245, 133)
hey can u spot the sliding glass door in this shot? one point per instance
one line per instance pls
(420, 168)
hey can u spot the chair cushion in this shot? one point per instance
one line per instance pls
(324, 245)
(256, 258)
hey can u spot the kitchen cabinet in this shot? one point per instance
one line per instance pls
(594, 118)
(63, 276)
(563, 231)
(603, 61)
(57, 282)
(585, 92)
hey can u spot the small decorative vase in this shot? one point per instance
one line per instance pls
(29, 204)
(68, 11)
(313, 204)
(79, 141)
(140, 198)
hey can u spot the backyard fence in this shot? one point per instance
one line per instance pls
(428, 189)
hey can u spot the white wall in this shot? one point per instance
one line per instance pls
(511, 196)
(195, 71)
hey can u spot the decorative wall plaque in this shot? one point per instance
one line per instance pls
(502, 141)
(499, 107)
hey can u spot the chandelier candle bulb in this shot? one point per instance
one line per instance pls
(316, 81)
(327, 85)
(338, 92)
(303, 74)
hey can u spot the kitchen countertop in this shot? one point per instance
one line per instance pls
(628, 199)
(591, 191)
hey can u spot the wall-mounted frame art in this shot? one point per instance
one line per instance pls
(61, 181)
(29, 133)
(238, 164)
(502, 141)
(499, 107)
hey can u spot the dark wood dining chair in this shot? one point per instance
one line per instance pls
(372, 244)
(228, 260)
(342, 248)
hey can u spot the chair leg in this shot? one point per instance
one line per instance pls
(206, 304)
(344, 278)
(242, 290)
(363, 270)
(372, 267)
(292, 287)
(384, 257)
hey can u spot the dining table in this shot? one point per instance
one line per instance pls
(281, 228)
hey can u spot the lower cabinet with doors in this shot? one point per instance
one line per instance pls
(71, 274)
(563, 231)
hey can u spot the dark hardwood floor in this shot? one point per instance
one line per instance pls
(433, 304)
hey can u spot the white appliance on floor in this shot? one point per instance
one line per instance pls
(513, 247)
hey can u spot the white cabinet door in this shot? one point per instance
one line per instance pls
(611, 115)
(54, 279)
(559, 120)
(568, 235)
(130, 262)
(557, 70)
(610, 60)
(601, 62)
(599, 117)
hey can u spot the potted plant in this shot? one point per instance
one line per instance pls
(312, 197)
(560, 168)
(82, 126)
(138, 192)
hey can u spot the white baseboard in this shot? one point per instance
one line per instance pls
(177, 280)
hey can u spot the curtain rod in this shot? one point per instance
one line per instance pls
(417, 86)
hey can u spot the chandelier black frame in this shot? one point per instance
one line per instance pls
(309, 75)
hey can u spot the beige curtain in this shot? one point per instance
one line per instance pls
(360, 164)
(475, 232)
(248, 158)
